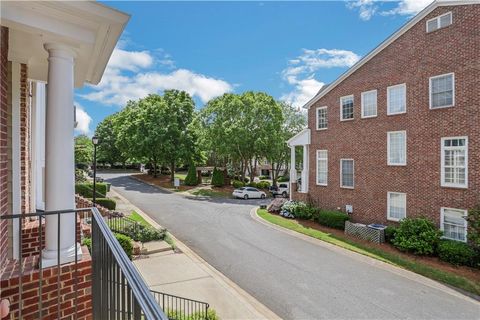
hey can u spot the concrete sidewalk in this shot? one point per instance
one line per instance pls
(184, 273)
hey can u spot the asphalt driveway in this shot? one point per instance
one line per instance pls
(296, 279)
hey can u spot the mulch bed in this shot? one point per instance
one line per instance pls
(467, 272)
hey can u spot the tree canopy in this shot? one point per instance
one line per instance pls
(83, 149)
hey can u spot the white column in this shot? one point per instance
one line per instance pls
(293, 170)
(305, 169)
(59, 155)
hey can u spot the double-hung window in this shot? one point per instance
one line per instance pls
(439, 22)
(397, 99)
(369, 104)
(442, 91)
(346, 108)
(322, 167)
(397, 148)
(347, 173)
(396, 206)
(453, 224)
(454, 162)
(322, 120)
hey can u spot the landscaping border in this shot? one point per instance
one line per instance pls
(372, 259)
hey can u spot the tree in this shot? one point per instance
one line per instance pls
(83, 149)
(217, 178)
(191, 178)
(107, 150)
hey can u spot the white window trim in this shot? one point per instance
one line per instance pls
(341, 107)
(438, 22)
(316, 117)
(442, 215)
(430, 91)
(388, 99)
(341, 174)
(388, 206)
(376, 104)
(322, 184)
(388, 148)
(442, 164)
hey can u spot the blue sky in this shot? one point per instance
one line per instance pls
(287, 49)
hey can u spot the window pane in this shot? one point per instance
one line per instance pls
(397, 151)
(347, 108)
(432, 25)
(369, 104)
(322, 118)
(322, 169)
(347, 173)
(445, 20)
(396, 99)
(397, 208)
(454, 166)
(454, 225)
(442, 91)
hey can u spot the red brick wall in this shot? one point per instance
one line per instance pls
(412, 59)
(31, 283)
(3, 143)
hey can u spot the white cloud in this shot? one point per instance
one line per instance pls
(83, 120)
(368, 8)
(301, 72)
(129, 76)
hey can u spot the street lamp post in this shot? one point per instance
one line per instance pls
(95, 142)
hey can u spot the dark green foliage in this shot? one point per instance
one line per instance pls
(217, 178)
(108, 203)
(238, 184)
(87, 242)
(264, 177)
(86, 189)
(191, 178)
(418, 235)
(139, 232)
(80, 176)
(299, 209)
(473, 234)
(263, 185)
(126, 243)
(457, 253)
(283, 179)
(390, 232)
(252, 184)
(331, 218)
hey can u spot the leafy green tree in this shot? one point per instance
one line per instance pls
(217, 178)
(107, 150)
(83, 149)
(191, 178)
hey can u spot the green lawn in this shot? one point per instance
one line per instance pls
(181, 175)
(135, 216)
(211, 193)
(446, 277)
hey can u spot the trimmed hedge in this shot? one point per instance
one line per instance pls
(191, 178)
(283, 179)
(457, 253)
(418, 235)
(238, 184)
(263, 185)
(126, 243)
(86, 189)
(217, 178)
(331, 218)
(108, 203)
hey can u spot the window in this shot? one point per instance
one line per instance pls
(322, 167)
(369, 104)
(396, 99)
(442, 91)
(346, 173)
(454, 162)
(453, 224)
(396, 206)
(346, 108)
(322, 121)
(397, 148)
(439, 22)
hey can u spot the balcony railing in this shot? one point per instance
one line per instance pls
(117, 291)
(178, 308)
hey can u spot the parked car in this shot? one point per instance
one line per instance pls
(249, 193)
(281, 189)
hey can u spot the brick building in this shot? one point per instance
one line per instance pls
(398, 134)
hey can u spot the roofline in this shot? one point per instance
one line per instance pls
(422, 14)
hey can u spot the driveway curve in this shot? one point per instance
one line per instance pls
(296, 279)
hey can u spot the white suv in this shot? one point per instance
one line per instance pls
(281, 189)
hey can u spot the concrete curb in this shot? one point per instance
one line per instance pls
(371, 261)
(256, 307)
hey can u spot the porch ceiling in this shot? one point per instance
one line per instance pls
(89, 28)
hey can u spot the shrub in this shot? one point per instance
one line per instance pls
(126, 243)
(238, 184)
(87, 242)
(177, 314)
(390, 232)
(217, 178)
(331, 218)
(86, 189)
(263, 185)
(253, 184)
(473, 233)
(299, 209)
(283, 179)
(264, 177)
(457, 253)
(80, 176)
(139, 232)
(108, 203)
(191, 178)
(418, 235)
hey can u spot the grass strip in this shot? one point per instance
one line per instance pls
(446, 277)
(138, 218)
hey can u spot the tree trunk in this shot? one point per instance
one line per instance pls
(154, 169)
(274, 175)
(172, 171)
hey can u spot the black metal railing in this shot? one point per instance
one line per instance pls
(178, 308)
(118, 291)
(125, 225)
